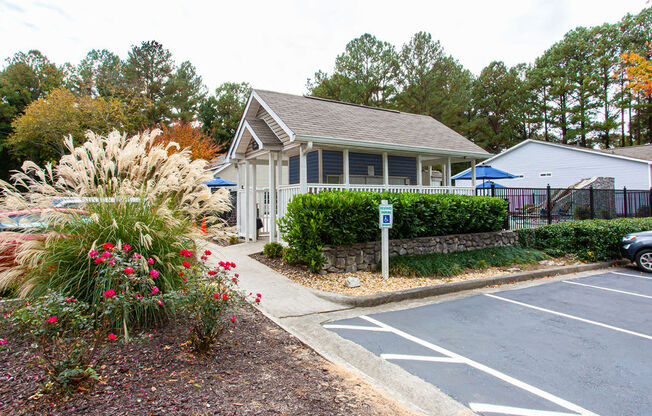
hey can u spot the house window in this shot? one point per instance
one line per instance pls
(542, 174)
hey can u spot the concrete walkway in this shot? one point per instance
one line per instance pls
(282, 297)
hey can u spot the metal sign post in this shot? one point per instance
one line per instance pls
(385, 221)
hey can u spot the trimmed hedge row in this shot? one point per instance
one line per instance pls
(589, 240)
(348, 217)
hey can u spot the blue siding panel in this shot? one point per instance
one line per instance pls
(358, 163)
(294, 169)
(331, 163)
(403, 166)
(313, 167)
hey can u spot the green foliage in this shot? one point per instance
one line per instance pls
(211, 300)
(451, 264)
(220, 113)
(233, 239)
(273, 250)
(589, 240)
(64, 335)
(341, 218)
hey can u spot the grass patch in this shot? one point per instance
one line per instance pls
(451, 264)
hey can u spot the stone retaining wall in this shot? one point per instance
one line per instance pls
(365, 256)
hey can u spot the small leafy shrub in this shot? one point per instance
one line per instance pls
(582, 213)
(233, 239)
(606, 214)
(211, 300)
(65, 335)
(451, 264)
(589, 240)
(273, 250)
(345, 217)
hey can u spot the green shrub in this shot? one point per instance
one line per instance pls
(589, 240)
(233, 239)
(348, 217)
(451, 264)
(273, 250)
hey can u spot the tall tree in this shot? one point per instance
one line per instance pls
(364, 74)
(190, 137)
(220, 113)
(605, 60)
(184, 91)
(100, 73)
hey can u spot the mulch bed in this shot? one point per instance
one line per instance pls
(257, 369)
(373, 283)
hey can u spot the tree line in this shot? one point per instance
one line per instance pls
(42, 102)
(579, 91)
(576, 92)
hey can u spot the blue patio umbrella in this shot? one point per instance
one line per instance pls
(485, 172)
(219, 182)
(487, 185)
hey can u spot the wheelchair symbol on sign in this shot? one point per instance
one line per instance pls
(386, 218)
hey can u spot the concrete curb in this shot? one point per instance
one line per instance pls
(423, 292)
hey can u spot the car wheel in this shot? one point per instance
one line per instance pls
(644, 260)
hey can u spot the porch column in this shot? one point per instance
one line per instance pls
(345, 167)
(430, 175)
(320, 168)
(253, 229)
(448, 172)
(272, 198)
(443, 174)
(419, 171)
(303, 169)
(473, 179)
(385, 170)
(238, 198)
(244, 217)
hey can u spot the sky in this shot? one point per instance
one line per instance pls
(277, 45)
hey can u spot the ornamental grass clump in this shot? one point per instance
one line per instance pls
(128, 190)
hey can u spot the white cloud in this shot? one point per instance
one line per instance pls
(277, 45)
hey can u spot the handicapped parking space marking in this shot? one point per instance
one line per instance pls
(456, 358)
(565, 315)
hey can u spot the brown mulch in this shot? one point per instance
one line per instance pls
(371, 282)
(258, 369)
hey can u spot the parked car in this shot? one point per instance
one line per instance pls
(637, 247)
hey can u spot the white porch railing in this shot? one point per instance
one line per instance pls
(286, 192)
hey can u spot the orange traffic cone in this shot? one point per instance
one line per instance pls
(203, 226)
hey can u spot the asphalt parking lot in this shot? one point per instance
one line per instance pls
(580, 346)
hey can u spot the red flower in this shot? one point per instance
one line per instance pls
(233, 319)
(98, 260)
(107, 254)
(182, 252)
(258, 300)
(153, 273)
(225, 296)
(258, 295)
(108, 246)
(129, 270)
(160, 302)
(109, 293)
(186, 264)
(150, 260)
(212, 272)
(236, 275)
(235, 280)
(126, 247)
(52, 319)
(185, 279)
(112, 336)
(92, 253)
(207, 252)
(203, 257)
(3, 341)
(51, 266)
(181, 273)
(136, 255)
(216, 295)
(155, 290)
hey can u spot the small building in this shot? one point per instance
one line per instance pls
(308, 144)
(539, 164)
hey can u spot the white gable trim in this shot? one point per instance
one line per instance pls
(243, 124)
(276, 118)
(248, 127)
(578, 149)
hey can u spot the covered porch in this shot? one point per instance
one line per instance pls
(308, 167)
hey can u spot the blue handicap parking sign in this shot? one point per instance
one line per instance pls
(386, 219)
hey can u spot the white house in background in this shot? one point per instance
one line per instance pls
(540, 163)
(308, 145)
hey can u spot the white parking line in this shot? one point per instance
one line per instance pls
(428, 358)
(356, 327)
(565, 315)
(632, 275)
(515, 411)
(608, 289)
(504, 377)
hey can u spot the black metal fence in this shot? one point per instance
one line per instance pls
(532, 207)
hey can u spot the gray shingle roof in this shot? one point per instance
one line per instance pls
(264, 133)
(310, 116)
(643, 151)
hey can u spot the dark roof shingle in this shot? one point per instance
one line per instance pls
(264, 133)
